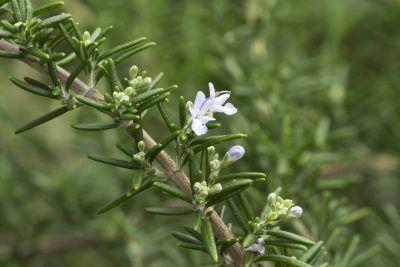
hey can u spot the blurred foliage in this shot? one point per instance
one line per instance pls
(316, 85)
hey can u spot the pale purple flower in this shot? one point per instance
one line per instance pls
(258, 246)
(218, 100)
(203, 108)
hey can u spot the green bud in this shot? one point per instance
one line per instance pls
(215, 189)
(129, 91)
(86, 38)
(133, 71)
(141, 146)
(145, 82)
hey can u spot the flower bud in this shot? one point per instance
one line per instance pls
(145, 82)
(296, 211)
(133, 71)
(189, 105)
(196, 187)
(271, 198)
(141, 146)
(117, 95)
(215, 189)
(86, 38)
(235, 153)
(129, 91)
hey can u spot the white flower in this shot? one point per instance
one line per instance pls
(235, 153)
(218, 99)
(296, 211)
(198, 112)
(203, 108)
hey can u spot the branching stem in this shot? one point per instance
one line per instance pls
(179, 178)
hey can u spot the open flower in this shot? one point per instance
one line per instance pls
(217, 101)
(203, 109)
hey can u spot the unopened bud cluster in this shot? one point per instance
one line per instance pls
(279, 208)
(122, 98)
(141, 154)
(202, 190)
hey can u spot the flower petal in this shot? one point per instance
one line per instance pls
(198, 102)
(198, 127)
(228, 109)
(212, 90)
(205, 119)
(221, 99)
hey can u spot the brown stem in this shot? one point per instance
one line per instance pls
(178, 177)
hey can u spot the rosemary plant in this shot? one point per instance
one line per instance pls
(199, 178)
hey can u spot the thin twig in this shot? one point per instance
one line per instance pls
(178, 178)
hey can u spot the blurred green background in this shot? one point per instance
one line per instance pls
(316, 84)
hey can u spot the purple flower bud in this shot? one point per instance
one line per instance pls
(235, 153)
(296, 211)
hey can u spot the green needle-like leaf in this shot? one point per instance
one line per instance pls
(172, 190)
(182, 111)
(152, 102)
(290, 236)
(209, 239)
(285, 244)
(152, 153)
(47, 7)
(36, 52)
(147, 95)
(155, 81)
(164, 115)
(16, 10)
(53, 21)
(193, 169)
(32, 88)
(29, 9)
(217, 198)
(218, 140)
(248, 240)
(233, 185)
(114, 161)
(283, 259)
(241, 175)
(93, 103)
(10, 54)
(192, 246)
(6, 34)
(75, 74)
(126, 150)
(132, 52)
(312, 253)
(147, 184)
(170, 210)
(37, 83)
(193, 232)
(238, 215)
(121, 48)
(96, 126)
(186, 238)
(246, 207)
(45, 118)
